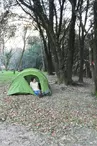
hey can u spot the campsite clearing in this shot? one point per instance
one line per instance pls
(67, 118)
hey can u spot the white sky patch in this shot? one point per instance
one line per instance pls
(17, 40)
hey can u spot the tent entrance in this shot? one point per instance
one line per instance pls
(28, 79)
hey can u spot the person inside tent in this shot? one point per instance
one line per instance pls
(35, 87)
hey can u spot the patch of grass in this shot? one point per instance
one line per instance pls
(7, 76)
(93, 94)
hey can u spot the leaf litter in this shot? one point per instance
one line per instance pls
(55, 115)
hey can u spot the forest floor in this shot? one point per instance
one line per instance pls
(67, 118)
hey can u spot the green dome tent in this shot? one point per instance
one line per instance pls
(21, 84)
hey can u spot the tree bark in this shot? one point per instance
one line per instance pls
(95, 45)
(48, 57)
(71, 43)
(82, 35)
(24, 45)
(81, 56)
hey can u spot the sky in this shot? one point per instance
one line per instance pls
(17, 41)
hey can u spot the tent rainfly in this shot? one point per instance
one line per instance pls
(21, 84)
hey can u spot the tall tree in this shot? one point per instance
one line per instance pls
(46, 50)
(54, 32)
(71, 42)
(23, 49)
(95, 45)
(83, 8)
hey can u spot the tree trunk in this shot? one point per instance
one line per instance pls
(20, 61)
(58, 59)
(47, 52)
(91, 59)
(95, 45)
(24, 41)
(48, 57)
(82, 35)
(81, 57)
(71, 43)
(49, 64)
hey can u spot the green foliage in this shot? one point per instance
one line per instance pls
(33, 56)
(6, 58)
(15, 59)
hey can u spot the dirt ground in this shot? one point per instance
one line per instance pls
(67, 118)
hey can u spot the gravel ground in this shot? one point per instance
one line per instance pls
(67, 118)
